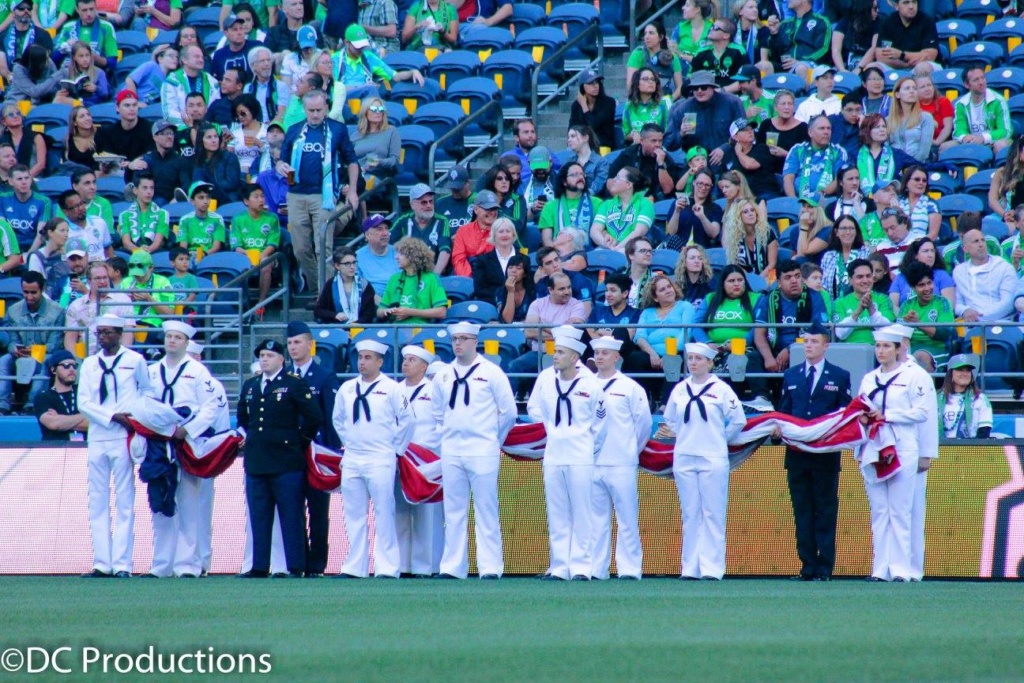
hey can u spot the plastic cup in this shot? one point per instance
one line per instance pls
(491, 347)
(312, 349)
(672, 346)
(690, 119)
(977, 346)
(213, 205)
(549, 347)
(38, 352)
(739, 346)
(428, 344)
(254, 256)
(80, 349)
(772, 139)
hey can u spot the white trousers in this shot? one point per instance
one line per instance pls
(616, 487)
(176, 539)
(917, 526)
(420, 533)
(891, 502)
(479, 475)
(361, 483)
(106, 458)
(703, 486)
(204, 548)
(278, 561)
(567, 492)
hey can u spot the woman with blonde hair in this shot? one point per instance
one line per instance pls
(694, 273)
(376, 142)
(29, 146)
(491, 268)
(749, 241)
(323, 64)
(414, 295)
(665, 314)
(94, 89)
(733, 186)
(812, 222)
(80, 145)
(910, 129)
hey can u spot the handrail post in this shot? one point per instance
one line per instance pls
(535, 80)
(432, 152)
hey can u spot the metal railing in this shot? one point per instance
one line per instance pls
(634, 29)
(325, 237)
(241, 281)
(535, 104)
(497, 139)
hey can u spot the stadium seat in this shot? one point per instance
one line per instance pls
(491, 38)
(117, 208)
(1001, 155)
(510, 340)
(442, 342)
(111, 188)
(413, 96)
(785, 254)
(980, 51)
(784, 212)
(1002, 354)
(132, 42)
(10, 291)
(845, 82)
(994, 227)
(943, 183)
(385, 335)
(665, 260)
(227, 265)
(978, 12)
(607, 260)
(525, 16)
(57, 137)
(151, 113)
(894, 75)
(229, 211)
(407, 59)
(48, 115)
(105, 113)
(210, 42)
(205, 20)
(162, 263)
(472, 311)
(53, 185)
(956, 32)
(128, 64)
(331, 347)
(949, 82)
(177, 210)
(573, 19)
(398, 115)
(458, 288)
(786, 81)
(1007, 32)
(663, 210)
(953, 205)
(450, 67)
(1016, 56)
(1006, 80)
(756, 283)
(978, 156)
(472, 94)
(716, 257)
(441, 117)
(614, 18)
(978, 184)
(1016, 107)
(165, 37)
(512, 72)
(412, 162)
(540, 43)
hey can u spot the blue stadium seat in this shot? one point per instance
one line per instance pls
(429, 92)
(450, 67)
(540, 43)
(1016, 107)
(398, 115)
(943, 183)
(514, 68)
(384, 335)
(151, 113)
(489, 38)
(845, 82)
(511, 341)
(229, 211)
(573, 19)
(949, 80)
(128, 64)
(977, 185)
(786, 81)
(402, 61)
(525, 16)
(665, 260)
(226, 264)
(756, 283)
(165, 36)
(412, 163)
(953, 205)
(48, 115)
(162, 263)
(210, 42)
(980, 51)
(458, 288)
(176, 211)
(442, 342)
(111, 188)
(1016, 56)
(786, 209)
(472, 94)
(716, 257)
(663, 210)
(978, 12)
(1007, 80)
(1007, 32)
(57, 136)
(441, 117)
(331, 347)
(894, 75)
(607, 260)
(117, 208)
(994, 227)
(956, 32)
(10, 291)
(53, 185)
(1003, 346)
(978, 156)
(205, 20)
(472, 311)
(614, 18)
(105, 113)
(132, 42)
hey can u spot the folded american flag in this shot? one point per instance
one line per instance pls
(419, 472)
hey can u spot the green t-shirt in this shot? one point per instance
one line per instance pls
(261, 7)
(49, 10)
(142, 227)
(180, 282)
(569, 208)
(766, 102)
(730, 312)
(255, 233)
(862, 334)
(621, 222)
(829, 304)
(871, 230)
(443, 17)
(100, 36)
(166, 296)
(636, 116)
(8, 240)
(425, 291)
(198, 232)
(938, 310)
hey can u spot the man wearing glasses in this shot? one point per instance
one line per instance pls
(18, 36)
(57, 408)
(167, 167)
(90, 229)
(715, 110)
(800, 41)
(82, 312)
(423, 223)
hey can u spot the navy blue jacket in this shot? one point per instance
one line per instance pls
(831, 392)
(324, 384)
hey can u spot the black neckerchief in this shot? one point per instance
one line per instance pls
(103, 377)
(564, 396)
(455, 386)
(883, 388)
(168, 394)
(696, 399)
(361, 401)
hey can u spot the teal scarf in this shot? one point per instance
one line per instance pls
(584, 215)
(886, 168)
(327, 185)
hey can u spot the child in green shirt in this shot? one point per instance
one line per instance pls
(256, 229)
(182, 278)
(201, 231)
(144, 225)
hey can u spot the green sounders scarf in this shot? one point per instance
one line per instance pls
(627, 215)
(584, 215)
(327, 181)
(869, 175)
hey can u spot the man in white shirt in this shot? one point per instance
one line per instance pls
(109, 383)
(985, 285)
(83, 311)
(372, 419)
(627, 415)
(181, 382)
(821, 101)
(475, 409)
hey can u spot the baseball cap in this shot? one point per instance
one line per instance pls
(590, 76)
(22, 2)
(162, 125)
(418, 190)
(306, 37)
(813, 199)
(539, 157)
(458, 176)
(356, 35)
(882, 184)
(486, 199)
(199, 185)
(138, 263)
(963, 360)
(75, 245)
(738, 125)
(125, 94)
(747, 72)
(695, 152)
(374, 221)
(821, 70)
(232, 20)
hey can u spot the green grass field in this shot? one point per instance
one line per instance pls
(527, 630)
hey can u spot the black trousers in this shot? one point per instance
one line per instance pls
(318, 503)
(284, 492)
(815, 496)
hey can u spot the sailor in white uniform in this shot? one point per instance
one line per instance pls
(110, 382)
(628, 417)
(705, 415)
(372, 418)
(902, 399)
(181, 382)
(420, 528)
(475, 409)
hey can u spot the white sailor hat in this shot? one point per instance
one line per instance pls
(567, 331)
(108, 320)
(567, 342)
(610, 343)
(701, 350)
(418, 351)
(464, 328)
(178, 326)
(434, 368)
(195, 347)
(902, 330)
(888, 335)
(372, 345)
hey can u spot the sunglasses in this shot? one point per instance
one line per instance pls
(376, 109)
(700, 88)
(67, 366)
(889, 213)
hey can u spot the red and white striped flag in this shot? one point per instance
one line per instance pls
(419, 471)
(323, 468)
(213, 455)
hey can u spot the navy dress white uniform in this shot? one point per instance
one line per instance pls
(373, 422)
(704, 417)
(221, 423)
(280, 419)
(902, 397)
(186, 384)
(420, 528)
(568, 407)
(475, 409)
(628, 417)
(108, 385)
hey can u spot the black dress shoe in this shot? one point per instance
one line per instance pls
(148, 575)
(802, 577)
(489, 577)
(580, 577)
(203, 574)
(314, 575)
(253, 574)
(187, 576)
(384, 576)
(96, 574)
(628, 577)
(279, 575)
(688, 578)
(447, 577)
(899, 579)
(550, 577)
(710, 578)
(874, 579)
(346, 576)
(123, 575)
(822, 578)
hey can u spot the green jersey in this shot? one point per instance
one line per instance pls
(164, 296)
(620, 222)
(861, 334)
(730, 312)
(100, 36)
(143, 225)
(262, 8)
(255, 233)
(565, 212)
(180, 282)
(97, 208)
(953, 253)
(871, 230)
(1007, 247)
(8, 240)
(424, 291)
(201, 231)
(766, 103)
(938, 310)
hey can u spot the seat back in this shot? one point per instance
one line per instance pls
(458, 288)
